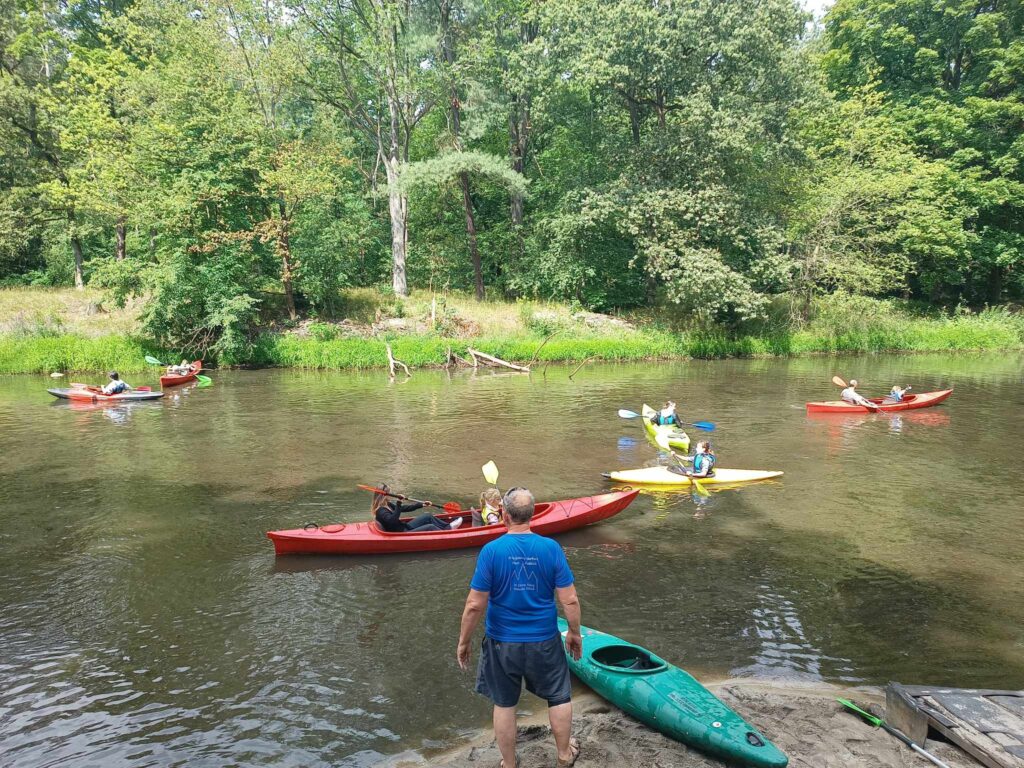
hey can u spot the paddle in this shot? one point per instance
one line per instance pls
(707, 426)
(490, 470)
(451, 506)
(152, 360)
(877, 721)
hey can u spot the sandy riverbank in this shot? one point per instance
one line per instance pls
(803, 720)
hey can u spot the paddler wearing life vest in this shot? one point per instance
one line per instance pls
(115, 386)
(667, 416)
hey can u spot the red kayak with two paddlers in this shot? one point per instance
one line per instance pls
(885, 404)
(173, 380)
(367, 538)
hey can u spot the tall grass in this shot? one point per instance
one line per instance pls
(47, 354)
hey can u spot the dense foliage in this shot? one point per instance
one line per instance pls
(240, 161)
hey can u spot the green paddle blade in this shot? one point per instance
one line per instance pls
(875, 721)
(490, 471)
(204, 379)
(152, 360)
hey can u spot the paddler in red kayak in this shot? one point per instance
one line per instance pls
(115, 386)
(388, 514)
(851, 395)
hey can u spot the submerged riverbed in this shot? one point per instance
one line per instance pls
(145, 621)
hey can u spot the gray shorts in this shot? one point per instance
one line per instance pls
(504, 667)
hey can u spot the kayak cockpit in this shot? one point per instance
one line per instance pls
(627, 659)
(467, 515)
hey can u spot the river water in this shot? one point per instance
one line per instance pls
(144, 619)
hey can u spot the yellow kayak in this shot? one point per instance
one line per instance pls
(665, 476)
(676, 437)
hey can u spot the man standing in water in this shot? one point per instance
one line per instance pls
(516, 580)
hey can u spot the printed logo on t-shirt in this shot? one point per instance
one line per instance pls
(523, 577)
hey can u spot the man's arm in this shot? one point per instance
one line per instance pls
(476, 604)
(571, 605)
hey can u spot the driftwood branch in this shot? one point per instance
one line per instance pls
(491, 360)
(392, 362)
(546, 340)
(577, 368)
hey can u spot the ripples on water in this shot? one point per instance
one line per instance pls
(144, 620)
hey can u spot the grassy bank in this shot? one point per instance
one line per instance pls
(45, 331)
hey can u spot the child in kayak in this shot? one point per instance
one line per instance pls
(703, 461)
(388, 514)
(896, 393)
(490, 508)
(115, 386)
(667, 416)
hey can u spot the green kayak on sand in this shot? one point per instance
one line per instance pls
(669, 700)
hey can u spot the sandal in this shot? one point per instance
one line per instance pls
(574, 750)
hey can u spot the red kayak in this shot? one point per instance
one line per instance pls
(169, 380)
(366, 538)
(885, 405)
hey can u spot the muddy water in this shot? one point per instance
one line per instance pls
(145, 621)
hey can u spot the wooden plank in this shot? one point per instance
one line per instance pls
(931, 690)
(1013, 703)
(982, 714)
(977, 745)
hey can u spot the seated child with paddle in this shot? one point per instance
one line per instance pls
(667, 416)
(388, 514)
(703, 462)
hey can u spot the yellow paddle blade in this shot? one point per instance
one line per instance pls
(838, 382)
(699, 487)
(490, 471)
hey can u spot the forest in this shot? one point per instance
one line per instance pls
(241, 163)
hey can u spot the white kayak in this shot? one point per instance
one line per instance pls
(665, 476)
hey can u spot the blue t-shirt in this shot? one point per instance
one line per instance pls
(521, 572)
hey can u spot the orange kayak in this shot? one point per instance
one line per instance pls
(885, 405)
(169, 380)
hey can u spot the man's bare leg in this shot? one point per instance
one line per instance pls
(560, 718)
(505, 733)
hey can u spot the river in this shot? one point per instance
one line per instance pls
(144, 619)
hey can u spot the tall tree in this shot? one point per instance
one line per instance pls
(367, 59)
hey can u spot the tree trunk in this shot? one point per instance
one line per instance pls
(474, 251)
(634, 119)
(152, 243)
(121, 251)
(398, 208)
(285, 249)
(76, 249)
